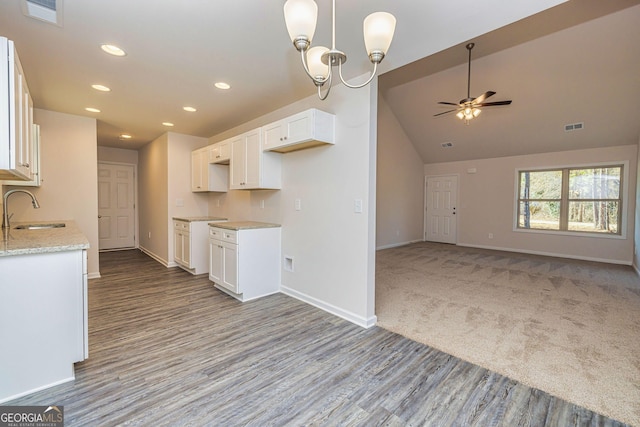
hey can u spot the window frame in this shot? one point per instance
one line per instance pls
(565, 200)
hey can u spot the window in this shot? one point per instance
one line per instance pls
(580, 199)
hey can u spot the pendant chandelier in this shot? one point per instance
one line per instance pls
(318, 62)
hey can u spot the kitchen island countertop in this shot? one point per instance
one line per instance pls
(22, 242)
(243, 225)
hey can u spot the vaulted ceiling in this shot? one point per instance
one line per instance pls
(177, 50)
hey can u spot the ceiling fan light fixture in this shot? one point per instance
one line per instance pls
(476, 112)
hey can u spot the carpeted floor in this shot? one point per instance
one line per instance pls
(570, 328)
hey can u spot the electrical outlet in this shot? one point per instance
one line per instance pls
(149, 234)
(298, 204)
(357, 205)
(261, 204)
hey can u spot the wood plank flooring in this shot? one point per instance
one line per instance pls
(168, 349)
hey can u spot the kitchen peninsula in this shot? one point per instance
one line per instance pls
(43, 305)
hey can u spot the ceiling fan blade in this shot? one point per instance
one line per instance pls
(482, 97)
(445, 112)
(491, 104)
(449, 103)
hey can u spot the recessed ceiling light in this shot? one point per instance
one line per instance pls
(167, 124)
(101, 88)
(222, 85)
(92, 110)
(125, 136)
(189, 109)
(113, 50)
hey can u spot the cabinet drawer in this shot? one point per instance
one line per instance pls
(215, 233)
(224, 235)
(181, 225)
(230, 236)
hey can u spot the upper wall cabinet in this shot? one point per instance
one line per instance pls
(251, 167)
(206, 176)
(16, 116)
(220, 152)
(303, 130)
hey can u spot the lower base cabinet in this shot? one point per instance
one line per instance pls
(245, 263)
(43, 320)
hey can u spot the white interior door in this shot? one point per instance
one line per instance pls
(440, 222)
(116, 206)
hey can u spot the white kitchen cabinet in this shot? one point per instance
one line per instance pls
(16, 116)
(206, 176)
(307, 129)
(190, 244)
(251, 167)
(44, 312)
(220, 152)
(245, 263)
(34, 163)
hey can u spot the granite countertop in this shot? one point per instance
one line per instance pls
(199, 218)
(243, 225)
(22, 242)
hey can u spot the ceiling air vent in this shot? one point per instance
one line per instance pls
(43, 10)
(573, 126)
(447, 144)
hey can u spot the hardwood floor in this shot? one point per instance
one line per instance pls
(166, 348)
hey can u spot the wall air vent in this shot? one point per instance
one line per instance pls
(573, 126)
(447, 144)
(43, 10)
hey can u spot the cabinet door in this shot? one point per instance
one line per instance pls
(298, 127)
(22, 131)
(273, 135)
(177, 247)
(230, 267)
(238, 163)
(197, 183)
(186, 249)
(253, 153)
(215, 261)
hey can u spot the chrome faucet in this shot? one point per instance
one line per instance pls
(5, 209)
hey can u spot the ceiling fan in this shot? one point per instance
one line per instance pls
(468, 108)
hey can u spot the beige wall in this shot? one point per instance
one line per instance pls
(486, 201)
(153, 199)
(164, 182)
(179, 183)
(117, 155)
(636, 257)
(69, 168)
(333, 247)
(400, 184)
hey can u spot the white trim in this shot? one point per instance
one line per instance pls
(35, 390)
(330, 308)
(158, 258)
(95, 275)
(635, 267)
(395, 245)
(553, 254)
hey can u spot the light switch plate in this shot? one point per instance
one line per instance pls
(357, 205)
(298, 204)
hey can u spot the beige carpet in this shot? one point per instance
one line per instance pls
(570, 328)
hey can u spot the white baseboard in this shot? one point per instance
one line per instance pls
(553, 254)
(95, 275)
(395, 245)
(635, 267)
(329, 308)
(35, 390)
(158, 258)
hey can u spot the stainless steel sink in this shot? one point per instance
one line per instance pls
(39, 226)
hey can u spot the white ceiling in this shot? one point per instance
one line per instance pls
(178, 49)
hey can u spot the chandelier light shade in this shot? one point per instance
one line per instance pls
(318, 62)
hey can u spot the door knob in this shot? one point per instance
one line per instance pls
(99, 216)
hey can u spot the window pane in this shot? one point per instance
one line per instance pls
(596, 183)
(540, 184)
(539, 215)
(599, 217)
